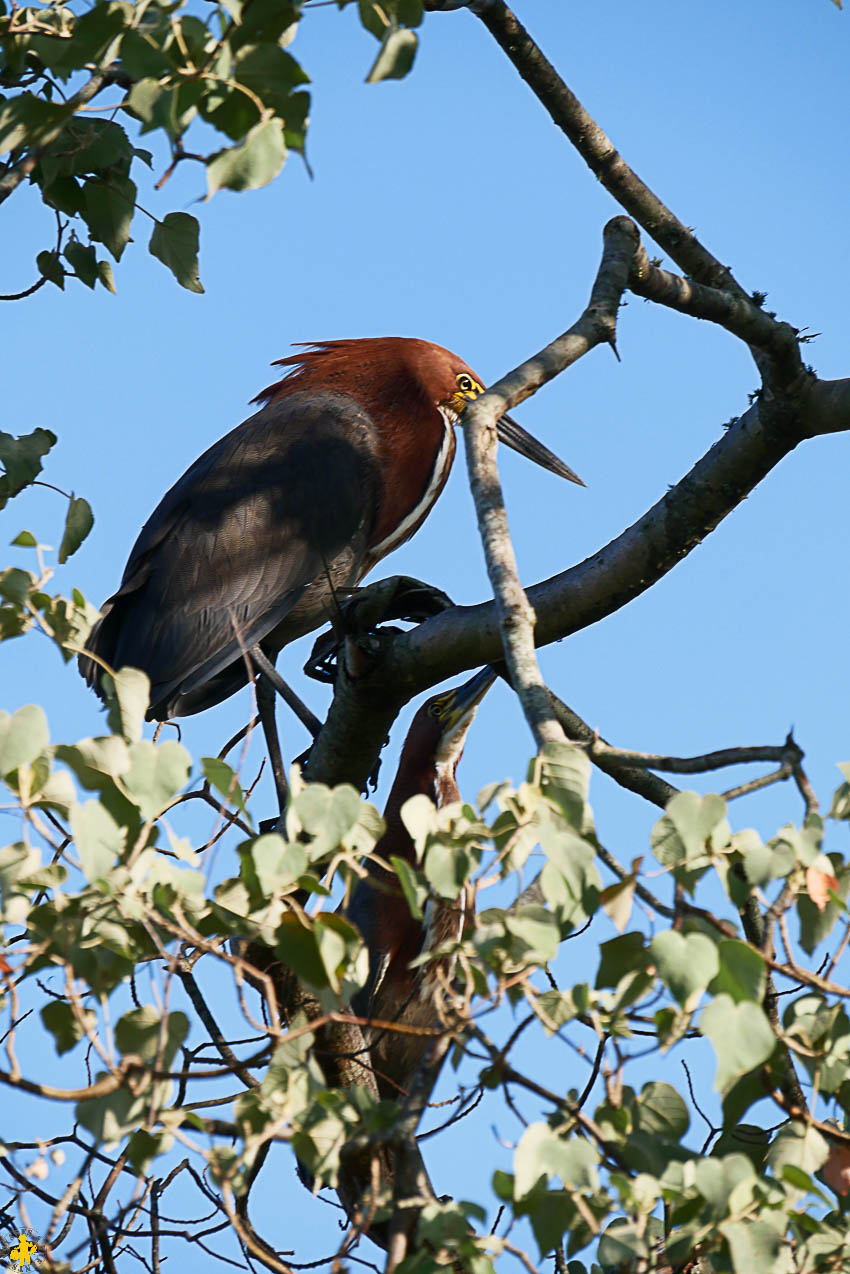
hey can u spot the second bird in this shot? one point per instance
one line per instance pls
(341, 464)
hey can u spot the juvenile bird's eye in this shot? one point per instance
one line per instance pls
(465, 383)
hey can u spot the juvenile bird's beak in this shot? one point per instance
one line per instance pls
(515, 437)
(466, 698)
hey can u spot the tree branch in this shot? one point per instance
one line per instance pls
(516, 618)
(595, 147)
(19, 171)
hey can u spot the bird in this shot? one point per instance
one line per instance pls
(253, 545)
(397, 991)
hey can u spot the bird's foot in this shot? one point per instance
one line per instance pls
(398, 597)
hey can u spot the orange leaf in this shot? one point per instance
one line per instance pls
(819, 884)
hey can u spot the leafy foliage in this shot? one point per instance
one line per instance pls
(168, 70)
(102, 884)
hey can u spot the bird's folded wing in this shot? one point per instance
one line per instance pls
(286, 499)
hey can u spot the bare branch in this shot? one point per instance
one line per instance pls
(735, 312)
(596, 149)
(788, 753)
(516, 617)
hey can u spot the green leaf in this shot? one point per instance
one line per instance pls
(717, 1178)
(278, 863)
(270, 73)
(754, 1245)
(446, 868)
(144, 1146)
(662, 1111)
(541, 1152)
(686, 963)
(296, 946)
(373, 18)
(743, 1139)
(259, 159)
(564, 779)
(224, 779)
(64, 1025)
(143, 1031)
(105, 275)
(156, 775)
(410, 12)
(336, 941)
(97, 147)
(151, 102)
(537, 930)
(23, 737)
(395, 56)
(83, 261)
(413, 891)
(50, 267)
(691, 826)
(326, 814)
(25, 540)
(742, 972)
(21, 460)
(99, 839)
(175, 242)
(109, 211)
(800, 1145)
(79, 520)
(27, 120)
(93, 39)
(622, 1245)
(741, 1035)
(620, 956)
(109, 1119)
(127, 697)
(419, 815)
(141, 54)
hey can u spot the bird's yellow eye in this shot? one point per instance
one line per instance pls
(438, 707)
(467, 385)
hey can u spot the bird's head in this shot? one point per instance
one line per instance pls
(390, 376)
(436, 738)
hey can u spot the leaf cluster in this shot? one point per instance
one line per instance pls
(107, 878)
(160, 67)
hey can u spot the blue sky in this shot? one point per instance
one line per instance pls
(449, 207)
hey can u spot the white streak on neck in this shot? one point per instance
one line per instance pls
(438, 477)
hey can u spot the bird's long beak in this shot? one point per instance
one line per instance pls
(466, 698)
(515, 437)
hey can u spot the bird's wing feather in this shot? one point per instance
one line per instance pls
(285, 497)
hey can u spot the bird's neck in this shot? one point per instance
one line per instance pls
(436, 781)
(419, 457)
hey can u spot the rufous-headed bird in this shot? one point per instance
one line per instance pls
(395, 991)
(341, 464)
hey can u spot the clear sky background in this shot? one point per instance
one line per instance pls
(449, 207)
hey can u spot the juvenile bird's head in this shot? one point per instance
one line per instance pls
(435, 740)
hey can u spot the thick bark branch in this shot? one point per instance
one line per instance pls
(468, 636)
(627, 566)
